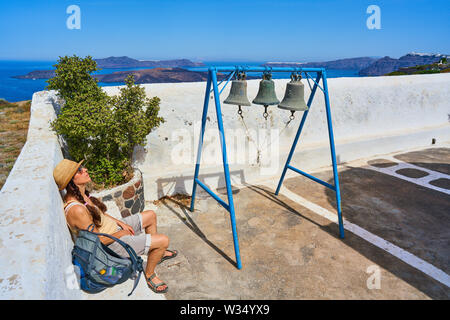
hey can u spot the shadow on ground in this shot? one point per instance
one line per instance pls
(290, 252)
(410, 216)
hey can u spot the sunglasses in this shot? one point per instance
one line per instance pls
(80, 169)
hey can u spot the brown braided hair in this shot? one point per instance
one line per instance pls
(72, 190)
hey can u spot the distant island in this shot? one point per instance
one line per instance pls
(156, 75)
(368, 66)
(126, 62)
(443, 66)
(386, 65)
(173, 70)
(37, 74)
(118, 63)
(160, 75)
(340, 64)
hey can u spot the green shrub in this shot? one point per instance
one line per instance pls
(133, 123)
(5, 104)
(426, 71)
(73, 78)
(102, 130)
(396, 73)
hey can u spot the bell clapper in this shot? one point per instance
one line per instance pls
(240, 112)
(291, 117)
(265, 114)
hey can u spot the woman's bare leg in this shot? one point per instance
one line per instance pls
(149, 222)
(159, 245)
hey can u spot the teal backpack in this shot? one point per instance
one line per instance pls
(99, 266)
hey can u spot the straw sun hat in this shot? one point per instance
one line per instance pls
(64, 171)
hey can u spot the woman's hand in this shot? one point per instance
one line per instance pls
(125, 227)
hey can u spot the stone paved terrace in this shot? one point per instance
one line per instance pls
(289, 244)
(290, 250)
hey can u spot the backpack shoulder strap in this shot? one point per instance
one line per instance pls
(135, 259)
(133, 256)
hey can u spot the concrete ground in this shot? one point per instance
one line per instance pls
(396, 246)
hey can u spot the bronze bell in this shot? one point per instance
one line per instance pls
(266, 94)
(238, 93)
(294, 98)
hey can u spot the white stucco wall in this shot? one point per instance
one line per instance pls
(370, 115)
(35, 244)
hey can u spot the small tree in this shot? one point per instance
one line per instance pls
(102, 130)
(132, 122)
(73, 78)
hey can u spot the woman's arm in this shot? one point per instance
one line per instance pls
(78, 217)
(116, 220)
(122, 224)
(107, 241)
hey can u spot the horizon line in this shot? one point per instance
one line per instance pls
(196, 59)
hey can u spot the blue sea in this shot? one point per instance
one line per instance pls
(12, 89)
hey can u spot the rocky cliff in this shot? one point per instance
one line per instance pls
(119, 63)
(386, 65)
(126, 62)
(340, 64)
(156, 75)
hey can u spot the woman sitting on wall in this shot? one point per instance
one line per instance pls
(138, 230)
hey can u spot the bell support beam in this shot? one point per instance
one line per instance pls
(333, 154)
(310, 177)
(212, 82)
(335, 188)
(228, 80)
(297, 136)
(259, 69)
(308, 76)
(212, 194)
(226, 169)
(200, 140)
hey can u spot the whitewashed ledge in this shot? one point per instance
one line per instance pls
(35, 243)
(373, 115)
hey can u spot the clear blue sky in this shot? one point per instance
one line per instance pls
(249, 30)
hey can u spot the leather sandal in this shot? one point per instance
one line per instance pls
(174, 254)
(155, 286)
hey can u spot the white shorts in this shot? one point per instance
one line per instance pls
(140, 241)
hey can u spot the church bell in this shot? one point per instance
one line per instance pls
(294, 98)
(238, 92)
(266, 94)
